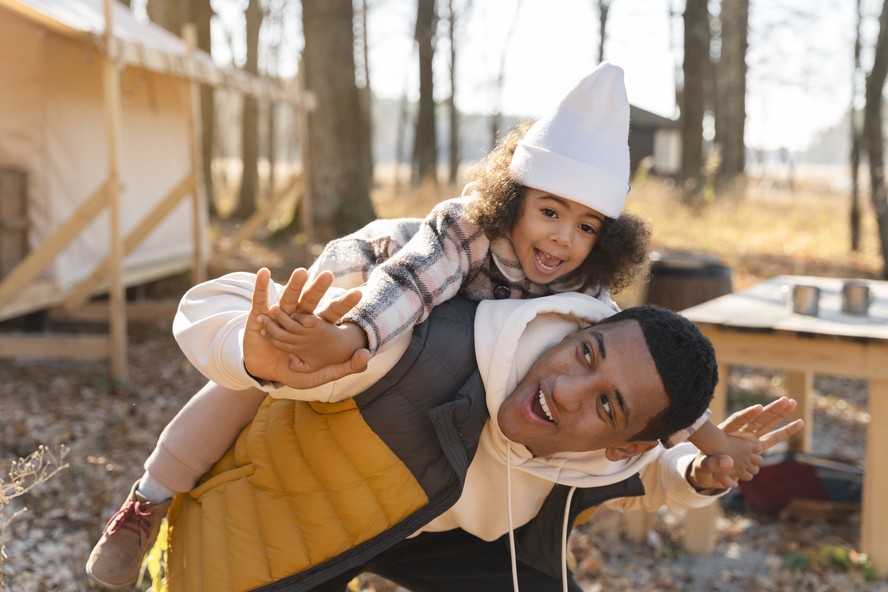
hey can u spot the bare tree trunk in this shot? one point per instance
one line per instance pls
(338, 165)
(274, 27)
(366, 89)
(696, 59)
(249, 187)
(496, 119)
(425, 142)
(202, 15)
(872, 130)
(730, 91)
(854, 213)
(403, 121)
(451, 103)
(602, 6)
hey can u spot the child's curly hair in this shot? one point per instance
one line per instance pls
(620, 253)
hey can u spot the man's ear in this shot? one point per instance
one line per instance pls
(628, 450)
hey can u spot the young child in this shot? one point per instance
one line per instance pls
(541, 215)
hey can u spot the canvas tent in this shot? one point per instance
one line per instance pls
(100, 204)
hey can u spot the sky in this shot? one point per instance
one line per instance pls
(800, 56)
(799, 60)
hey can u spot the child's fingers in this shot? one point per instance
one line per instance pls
(288, 330)
(293, 290)
(336, 309)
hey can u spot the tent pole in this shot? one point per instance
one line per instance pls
(117, 302)
(198, 199)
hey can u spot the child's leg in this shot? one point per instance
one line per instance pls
(200, 434)
(187, 448)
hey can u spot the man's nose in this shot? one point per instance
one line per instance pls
(570, 393)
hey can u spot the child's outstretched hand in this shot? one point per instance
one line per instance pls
(312, 341)
(757, 422)
(264, 360)
(746, 451)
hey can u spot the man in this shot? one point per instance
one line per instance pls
(313, 493)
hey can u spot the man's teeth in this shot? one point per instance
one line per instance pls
(545, 406)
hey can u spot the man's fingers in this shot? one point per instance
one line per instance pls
(308, 378)
(779, 435)
(758, 420)
(260, 293)
(314, 291)
(719, 467)
(336, 309)
(741, 418)
(293, 290)
(357, 363)
(774, 413)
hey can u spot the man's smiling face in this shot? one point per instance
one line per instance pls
(593, 391)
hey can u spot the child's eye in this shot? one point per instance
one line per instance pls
(548, 212)
(588, 229)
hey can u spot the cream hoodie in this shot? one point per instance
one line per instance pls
(509, 337)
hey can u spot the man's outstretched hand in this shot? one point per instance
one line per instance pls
(714, 472)
(300, 297)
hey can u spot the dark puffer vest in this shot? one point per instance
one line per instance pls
(310, 490)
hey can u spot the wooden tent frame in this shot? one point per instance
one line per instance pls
(22, 285)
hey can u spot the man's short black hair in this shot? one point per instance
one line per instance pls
(685, 360)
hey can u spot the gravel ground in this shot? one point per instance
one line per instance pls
(109, 430)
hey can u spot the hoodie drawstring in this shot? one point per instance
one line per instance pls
(565, 528)
(564, 532)
(511, 527)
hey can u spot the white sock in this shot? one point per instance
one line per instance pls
(153, 489)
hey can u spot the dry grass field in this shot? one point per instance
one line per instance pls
(758, 234)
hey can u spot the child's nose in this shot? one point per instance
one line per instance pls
(561, 236)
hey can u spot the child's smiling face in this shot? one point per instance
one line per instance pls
(553, 235)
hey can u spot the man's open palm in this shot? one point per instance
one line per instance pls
(263, 360)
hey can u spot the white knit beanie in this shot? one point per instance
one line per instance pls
(580, 151)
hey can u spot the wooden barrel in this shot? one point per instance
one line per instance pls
(681, 280)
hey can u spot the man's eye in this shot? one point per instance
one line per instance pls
(548, 212)
(587, 353)
(606, 405)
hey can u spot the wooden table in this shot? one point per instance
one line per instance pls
(756, 327)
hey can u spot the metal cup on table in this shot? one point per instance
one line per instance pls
(803, 298)
(856, 297)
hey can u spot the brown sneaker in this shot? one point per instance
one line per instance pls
(116, 559)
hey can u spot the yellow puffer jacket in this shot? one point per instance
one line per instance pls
(310, 490)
